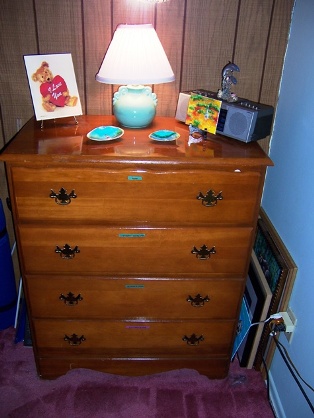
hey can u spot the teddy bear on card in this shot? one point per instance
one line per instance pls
(53, 89)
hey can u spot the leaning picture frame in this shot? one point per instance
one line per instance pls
(280, 272)
(257, 297)
(244, 324)
(53, 86)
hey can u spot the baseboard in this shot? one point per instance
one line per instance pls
(275, 399)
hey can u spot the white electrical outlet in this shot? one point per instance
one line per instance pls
(291, 324)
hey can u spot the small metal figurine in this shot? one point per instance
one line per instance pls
(227, 80)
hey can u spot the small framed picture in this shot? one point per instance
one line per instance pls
(53, 86)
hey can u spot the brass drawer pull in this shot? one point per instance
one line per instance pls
(193, 339)
(198, 301)
(62, 198)
(210, 199)
(203, 253)
(70, 299)
(67, 252)
(74, 339)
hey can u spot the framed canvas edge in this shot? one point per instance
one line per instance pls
(268, 296)
(263, 292)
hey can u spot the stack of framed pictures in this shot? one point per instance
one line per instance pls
(270, 281)
(257, 298)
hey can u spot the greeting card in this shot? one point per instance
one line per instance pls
(203, 112)
(53, 86)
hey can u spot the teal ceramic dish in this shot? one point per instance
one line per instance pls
(105, 133)
(164, 135)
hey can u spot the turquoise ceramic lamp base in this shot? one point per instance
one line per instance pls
(134, 106)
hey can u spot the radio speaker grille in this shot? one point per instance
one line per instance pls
(238, 124)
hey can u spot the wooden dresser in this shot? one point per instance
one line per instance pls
(134, 253)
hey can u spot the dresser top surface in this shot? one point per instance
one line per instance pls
(64, 140)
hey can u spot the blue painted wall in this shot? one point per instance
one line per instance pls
(288, 200)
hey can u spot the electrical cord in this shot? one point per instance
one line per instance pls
(257, 323)
(261, 322)
(283, 355)
(292, 365)
(276, 325)
(263, 360)
(267, 378)
(251, 325)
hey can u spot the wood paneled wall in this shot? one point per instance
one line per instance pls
(199, 37)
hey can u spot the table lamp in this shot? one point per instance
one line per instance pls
(135, 57)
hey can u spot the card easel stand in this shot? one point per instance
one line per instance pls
(42, 122)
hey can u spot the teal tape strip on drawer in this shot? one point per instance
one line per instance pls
(132, 235)
(134, 286)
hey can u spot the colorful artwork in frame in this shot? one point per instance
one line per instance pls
(269, 261)
(53, 86)
(203, 113)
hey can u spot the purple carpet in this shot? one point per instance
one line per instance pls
(85, 393)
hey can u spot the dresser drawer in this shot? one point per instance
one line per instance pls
(136, 196)
(213, 367)
(90, 297)
(149, 251)
(128, 338)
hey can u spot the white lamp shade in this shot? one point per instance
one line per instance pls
(135, 56)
